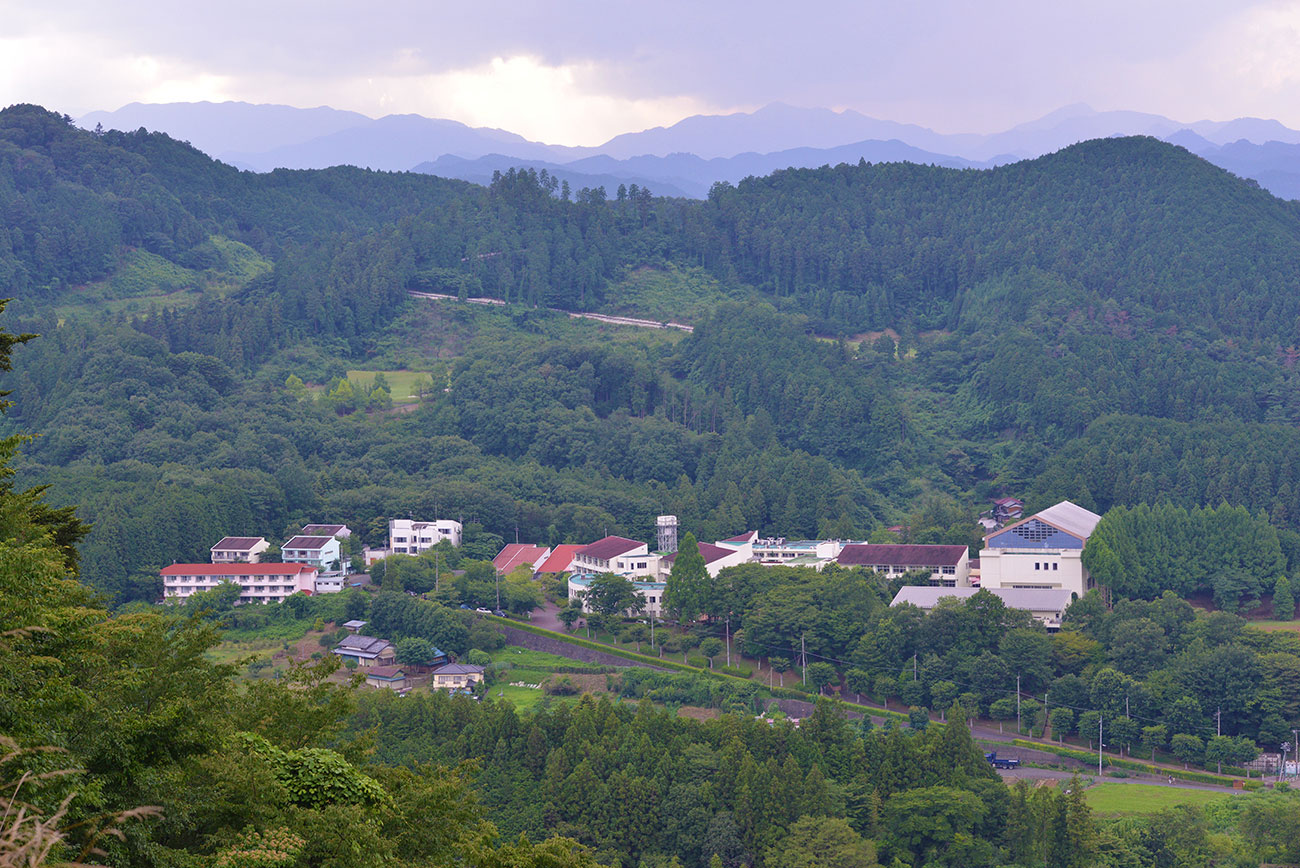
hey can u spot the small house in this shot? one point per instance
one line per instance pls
(456, 676)
(388, 677)
(367, 651)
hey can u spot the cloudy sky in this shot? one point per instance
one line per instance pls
(580, 72)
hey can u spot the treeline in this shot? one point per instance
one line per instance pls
(646, 788)
(1127, 460)
(1144, 551)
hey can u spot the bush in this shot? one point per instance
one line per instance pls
(562, 686)
(476, 657)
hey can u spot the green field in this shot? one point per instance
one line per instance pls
(1114, 800)
(403, 385)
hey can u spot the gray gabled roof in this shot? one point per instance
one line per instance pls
(458, 669)
(1029, 599)
(359, 645)
(1070, 518)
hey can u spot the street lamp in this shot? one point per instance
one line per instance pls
(1281, 768)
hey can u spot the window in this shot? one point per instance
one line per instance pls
(1056, 566)
(1037, 565)
(399, 539)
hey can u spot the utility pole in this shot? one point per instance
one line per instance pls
(1126, 714)
(1099, 744)
(1218, 722)
(1296, 733)
(728, 634)
(913, 666)
(1018, 726)
(803, 657)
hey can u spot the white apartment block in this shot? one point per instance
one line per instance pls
(239, 550)
(261, 583)
(322, 552)
(407, 537)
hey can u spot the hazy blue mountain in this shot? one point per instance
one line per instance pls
(775, 127)
(687, 174)
(394, 143)
(689, 156)
(481, 169)
(227, 128)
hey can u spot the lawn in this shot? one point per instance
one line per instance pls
(1112, 799)
(403, 385)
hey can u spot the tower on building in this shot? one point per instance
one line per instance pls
(667, 525)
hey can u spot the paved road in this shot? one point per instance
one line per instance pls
(600, 317)
(1036, 774)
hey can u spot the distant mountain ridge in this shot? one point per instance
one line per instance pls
(689, 156)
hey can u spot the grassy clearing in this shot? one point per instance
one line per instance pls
(670, 294)
(402, 385)
(1271, 626)
(1115, 800)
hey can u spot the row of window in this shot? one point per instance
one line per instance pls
(1046, 566)
(259, 589)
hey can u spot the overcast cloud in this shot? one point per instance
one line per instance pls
(580, 72)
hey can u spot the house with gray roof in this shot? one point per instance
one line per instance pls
(367, 651)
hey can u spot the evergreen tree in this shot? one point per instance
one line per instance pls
(684, 595)
(1283, 600)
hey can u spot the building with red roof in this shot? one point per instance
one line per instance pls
(716, 557)
(560, 560)
(516, 555)
(614, 554)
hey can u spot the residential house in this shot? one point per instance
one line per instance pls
(948, 566)
(239, 550)
(260, 583)
(516, 555)
(1044, 551)
(1007, 509)
(321, 552)
(456, 676)
(354, 626)
(367, 651)
(1048, 605)
(338, 531)
(388, 677)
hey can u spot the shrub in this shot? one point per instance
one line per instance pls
(562, 686)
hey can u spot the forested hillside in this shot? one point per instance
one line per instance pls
(873, 345)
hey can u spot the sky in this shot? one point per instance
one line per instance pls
(580, 72)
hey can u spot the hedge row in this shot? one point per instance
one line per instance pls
(643, 659)
(1133, 765)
